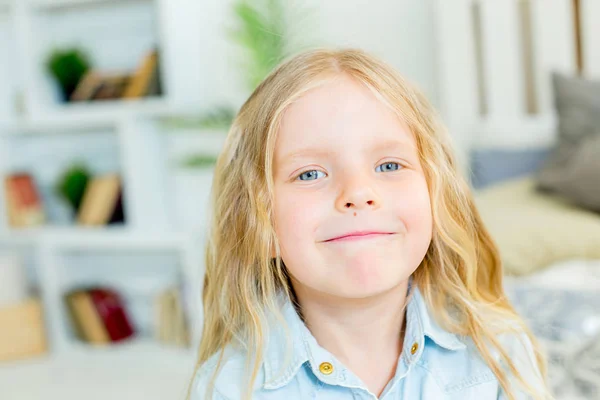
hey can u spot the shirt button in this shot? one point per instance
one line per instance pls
(326, 368)
(414, 348)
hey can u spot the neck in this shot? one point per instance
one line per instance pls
(366, 335)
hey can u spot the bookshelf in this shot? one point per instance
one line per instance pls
(70, 4)
(43, 135)
(137, 370)
(26, 253)
(136, 264)
(46, 157)
(5, 6)
(7, 67)
(139, 268)
(87, 117)
(98, 29)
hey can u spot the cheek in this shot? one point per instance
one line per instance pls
(295, 219)
(415, 209)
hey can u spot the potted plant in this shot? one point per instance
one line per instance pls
(264, 40)
(68, 66)
(71, 186)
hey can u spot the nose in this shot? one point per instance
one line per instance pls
(357, 193)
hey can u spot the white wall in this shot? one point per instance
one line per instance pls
(399, 31)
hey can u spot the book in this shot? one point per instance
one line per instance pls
(155, 84)
(76, 322)
(102, 202)
(90, 324)
(112, 87)
(117, 216)
(144, 79)
(87, 87)
(24, 204)
(23, 332)
(96, 85)
(112, 311)
(160, 328)
(98, 315)
(171, 325)
(180, 323)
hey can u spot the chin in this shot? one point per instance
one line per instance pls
(356, 290)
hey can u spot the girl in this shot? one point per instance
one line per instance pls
(346, 258)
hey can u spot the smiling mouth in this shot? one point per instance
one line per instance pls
(366, 236)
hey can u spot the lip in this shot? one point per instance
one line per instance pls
(358, 235)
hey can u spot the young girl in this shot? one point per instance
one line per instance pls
(346, 258)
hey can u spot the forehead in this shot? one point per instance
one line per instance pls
(342, 112)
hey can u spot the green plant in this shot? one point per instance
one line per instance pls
(261, 33)
(72, 184)
(199, 161)
(68, 66)
(220, 117)
(265, 38)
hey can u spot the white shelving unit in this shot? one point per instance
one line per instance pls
(7, 48)
(160, 373)
(43, 135)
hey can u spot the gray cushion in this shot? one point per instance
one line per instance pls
(573, 168)
(492, 166)
(580, 179)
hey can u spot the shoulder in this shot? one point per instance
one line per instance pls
(229, 381)
(457, 370)
(522, 353)
(520, 350)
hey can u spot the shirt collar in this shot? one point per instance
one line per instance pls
(287, 350)
(431, 329)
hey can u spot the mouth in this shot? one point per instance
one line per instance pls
(358, 236)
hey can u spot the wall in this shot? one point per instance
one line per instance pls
(399, 31)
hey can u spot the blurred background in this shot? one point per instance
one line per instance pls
(112, 113)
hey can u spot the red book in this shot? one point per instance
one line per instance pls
(30, 196)
(24, 204)
(111, 310)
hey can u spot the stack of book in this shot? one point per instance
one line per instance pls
(23, 333)
(23, 202)
(102, 202)
(144, 81)
(171, 325)
(99, 316)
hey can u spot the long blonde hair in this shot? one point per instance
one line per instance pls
(461, 271)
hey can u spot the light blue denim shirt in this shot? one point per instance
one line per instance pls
(434, 364)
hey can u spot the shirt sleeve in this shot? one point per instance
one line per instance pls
(521, 353)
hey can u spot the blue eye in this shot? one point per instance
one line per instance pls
(389, 166)
(309, 175)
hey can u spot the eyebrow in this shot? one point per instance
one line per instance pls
(394, 144)
(307, 152)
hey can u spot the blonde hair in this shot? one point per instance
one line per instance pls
(461, 271)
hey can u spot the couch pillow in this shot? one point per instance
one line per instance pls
(573, 169)
(580, 179)
(492, 166)
(534, 230)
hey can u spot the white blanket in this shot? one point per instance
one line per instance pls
(562, 306)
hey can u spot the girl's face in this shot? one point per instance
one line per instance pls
(352, 210)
